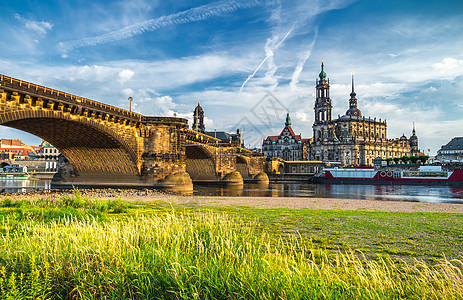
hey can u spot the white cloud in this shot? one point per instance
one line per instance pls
(93, 73)
(126, 75)
(162, 75)
(431, 89)
(128, 92)
(164, 101)
(301, 116)
(449, 68)
(40, 28)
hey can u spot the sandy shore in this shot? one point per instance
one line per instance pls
(257, 202)
(315, 203)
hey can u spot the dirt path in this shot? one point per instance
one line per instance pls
(313, 203)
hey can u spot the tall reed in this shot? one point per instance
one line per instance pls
(198, 255)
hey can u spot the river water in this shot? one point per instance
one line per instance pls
(17, 186)
(443, 194)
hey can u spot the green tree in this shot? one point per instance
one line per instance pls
(405, 158)
(414, 159)
(423, 158)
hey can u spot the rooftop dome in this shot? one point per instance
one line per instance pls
(354, 112)
(198, 108)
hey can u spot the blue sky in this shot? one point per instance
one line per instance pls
(247, 62)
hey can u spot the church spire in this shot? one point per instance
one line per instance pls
(353, 94)
(322, 74)
(414, 143)
(353, 111)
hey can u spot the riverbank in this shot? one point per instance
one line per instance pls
(148, 244)
(256, 202)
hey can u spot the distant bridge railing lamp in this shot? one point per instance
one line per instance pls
(130, 100)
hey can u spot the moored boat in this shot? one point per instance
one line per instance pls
(425, 175)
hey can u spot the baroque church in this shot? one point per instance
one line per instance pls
(351, 139)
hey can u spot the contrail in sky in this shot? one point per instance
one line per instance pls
(270, 51)
(195, 14)
(302, 61)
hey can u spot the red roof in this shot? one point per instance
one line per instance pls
(297, 138)
(273, 138)
(20, 151)
(12, 142)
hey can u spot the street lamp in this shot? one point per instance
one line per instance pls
(130, 99)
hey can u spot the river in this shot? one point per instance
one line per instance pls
(442, 194)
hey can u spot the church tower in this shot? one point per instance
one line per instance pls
(414, 151)
(322, 99)
(323, 126)
(198, 119)
(324, 135)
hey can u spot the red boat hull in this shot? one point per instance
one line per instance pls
(388, 177)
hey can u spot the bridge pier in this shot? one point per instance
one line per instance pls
(176, 182)
(161, 165)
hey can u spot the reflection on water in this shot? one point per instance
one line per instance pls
(21, 186)
(342, 191)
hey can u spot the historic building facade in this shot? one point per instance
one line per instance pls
(287, 146)
(452, 151)
(352, 138)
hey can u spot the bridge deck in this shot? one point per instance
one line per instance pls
(52, 94)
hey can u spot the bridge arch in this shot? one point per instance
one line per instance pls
(200, 163)
(101, 150)
(242, 166)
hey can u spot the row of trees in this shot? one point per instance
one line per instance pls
(409, 159)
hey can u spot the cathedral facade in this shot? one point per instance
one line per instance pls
(352, 139)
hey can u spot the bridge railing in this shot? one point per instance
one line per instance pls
(205, 139)
(21, 85)
(169, 120)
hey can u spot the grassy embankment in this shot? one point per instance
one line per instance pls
(79, 248)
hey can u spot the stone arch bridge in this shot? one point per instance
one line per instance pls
(110, 146)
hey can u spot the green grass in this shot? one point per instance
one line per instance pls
(402, 235)
(78, 248)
